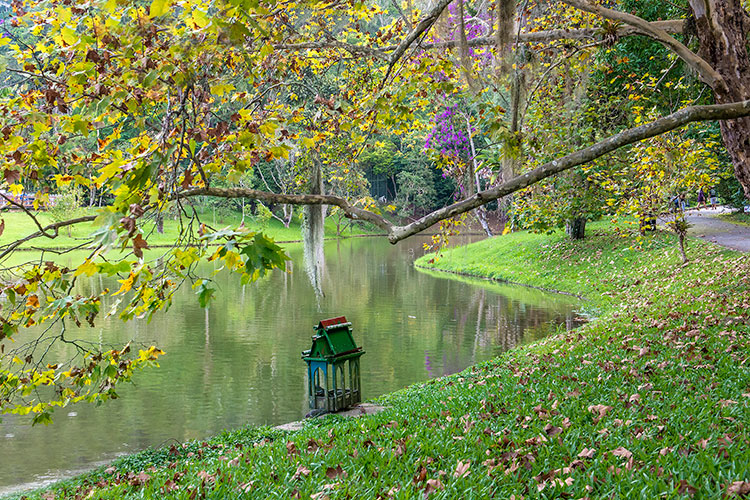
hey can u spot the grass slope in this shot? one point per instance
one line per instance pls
(650, 399)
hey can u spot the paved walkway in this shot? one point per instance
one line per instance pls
(705, 224)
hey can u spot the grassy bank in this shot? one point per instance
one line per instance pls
(648, 400)
(737, 218)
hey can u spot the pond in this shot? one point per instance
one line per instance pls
(238, 362)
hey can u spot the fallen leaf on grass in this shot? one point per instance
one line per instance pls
(599, 411)
(421, 475)
(301, 471)
(432, 486)
(291, 448)
(245, 487)
(739, 488)
(312, 446)
(587, 453)
(205, 476)
(551, 430)
(462, 469)
(622, 452)
(170, 486)
(334, 472)
(684, 487)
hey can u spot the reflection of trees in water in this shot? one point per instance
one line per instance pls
(244, 366)
(313, 234)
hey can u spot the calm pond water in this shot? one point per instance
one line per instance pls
(238, 362)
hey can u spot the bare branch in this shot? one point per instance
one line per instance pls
(26, 211)
(45, 232)
(334, 44)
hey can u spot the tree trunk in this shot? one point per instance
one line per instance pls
(159, 223)
(681, 238)
(576, 228)
(722, 27)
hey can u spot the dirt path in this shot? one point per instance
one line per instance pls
(705, 224)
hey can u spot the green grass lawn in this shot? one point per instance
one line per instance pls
(19, 225)
(648, 400)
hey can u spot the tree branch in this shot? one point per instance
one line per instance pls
(334, 44)
(705, 71)
(425, 24)
(629, 136)
(397, 233)
(671, 26)
(44, 232)
(291, 199)
(26, 211)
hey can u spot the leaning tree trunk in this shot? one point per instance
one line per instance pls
(722, 27)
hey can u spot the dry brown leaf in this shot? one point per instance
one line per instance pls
(205, 476)
(739, 488)
(684, 487)
(587, 453)
(334, 472)
(432, 486)
(301, 471)
(551, 430)
(622, 452)
(599, 411)
(462, 469)
(291, 448)
(245, 487)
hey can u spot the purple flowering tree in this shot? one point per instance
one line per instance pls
(452, 137)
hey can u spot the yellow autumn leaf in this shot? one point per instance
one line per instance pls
(88, 268)
(127, 284)
(68, 35)
(158, 8)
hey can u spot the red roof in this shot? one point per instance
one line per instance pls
(333, 321)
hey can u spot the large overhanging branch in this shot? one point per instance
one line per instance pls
(674, 26)
(397, 233)
(705, 71)
(629, 136)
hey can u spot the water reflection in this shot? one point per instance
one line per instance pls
(238, 362)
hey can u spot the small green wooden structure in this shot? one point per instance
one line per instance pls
(333, 366)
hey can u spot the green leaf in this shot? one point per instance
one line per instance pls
(42, 418)
(205, 294)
